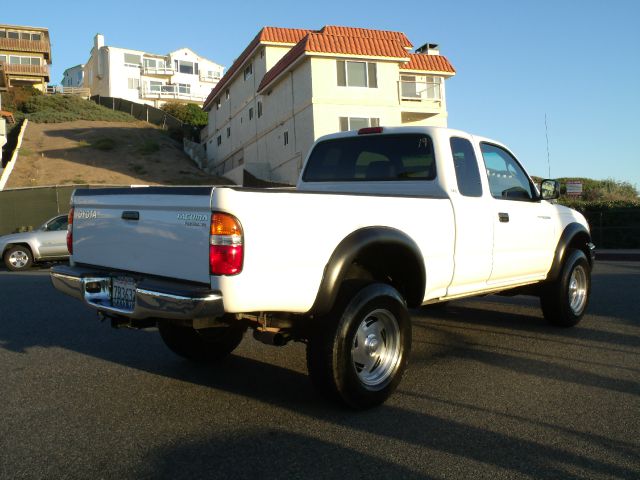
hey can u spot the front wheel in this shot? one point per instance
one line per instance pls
(359, 352)
(204, 345)
(565, 300)
(18, 258)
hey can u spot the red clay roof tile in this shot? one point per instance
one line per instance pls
(333, 40)
(265, 35)
(367, 33)
(428, 63)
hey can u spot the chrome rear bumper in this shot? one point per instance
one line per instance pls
(154, 298)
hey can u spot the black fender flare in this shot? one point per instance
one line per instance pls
(348, 250)
(571, 232)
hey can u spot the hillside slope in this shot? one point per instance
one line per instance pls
(99, 152)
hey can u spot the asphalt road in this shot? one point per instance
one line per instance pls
(492, 392)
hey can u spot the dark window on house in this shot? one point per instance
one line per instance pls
(466, 165)
(219, 140)
(36, 36)
(3, 34)
(357, 74)
(248, 71)
(228, 132)
(259, 109)
(251, 113)
(286, 138)
(356, 123)
(15, 35)
(372, 158)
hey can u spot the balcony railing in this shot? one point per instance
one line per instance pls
(31, 70)
(170, 92)
(419, 91)
(158, 71)
(207, 78)
(19, 45)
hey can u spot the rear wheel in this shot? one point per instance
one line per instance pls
(203, 345)
(358, 354)
(565, 300)
(18, 257)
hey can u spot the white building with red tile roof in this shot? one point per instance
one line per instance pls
(290, 86)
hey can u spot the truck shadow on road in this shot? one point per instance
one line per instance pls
(63, 324)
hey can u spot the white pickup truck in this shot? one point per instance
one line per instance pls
(382, 220)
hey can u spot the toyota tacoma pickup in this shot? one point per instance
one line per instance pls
(382, 220)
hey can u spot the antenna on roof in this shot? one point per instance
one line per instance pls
(546, 133)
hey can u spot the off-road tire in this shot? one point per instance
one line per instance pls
(358, 353)
(565, 299)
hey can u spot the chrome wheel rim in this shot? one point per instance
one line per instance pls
(18, 259)
(578, 290)
(376, 349)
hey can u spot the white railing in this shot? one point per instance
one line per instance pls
(164, 71)
(79, 91)
(208, 78)
(420, 91)
(170, 92)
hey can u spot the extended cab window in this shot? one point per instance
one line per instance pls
(466, 165)
(372, 158)
(507, 179)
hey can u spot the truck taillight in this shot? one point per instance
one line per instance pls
(226, 250)
(70, 232)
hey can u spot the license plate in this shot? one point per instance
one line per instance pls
(123, 293)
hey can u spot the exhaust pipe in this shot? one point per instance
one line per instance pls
(269, 336)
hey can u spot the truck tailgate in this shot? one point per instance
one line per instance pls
(153, 230)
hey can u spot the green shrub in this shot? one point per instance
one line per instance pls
(65, 108)
(187, 113)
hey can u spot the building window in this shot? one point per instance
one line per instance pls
(226, 94)
(131, 60)
(251, 113)
(259, 109)
(248, 71)
(19, 60)
(183, 66)
(218, 104)
(228, 132)
(219, 140)
(184, 88)
(132, 83)
(286, 138)
(356, 123)
(357, 74)
(15, 35)
(155, 86)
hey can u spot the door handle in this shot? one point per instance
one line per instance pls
(504, 217)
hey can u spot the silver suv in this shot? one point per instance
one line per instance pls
(47, 242)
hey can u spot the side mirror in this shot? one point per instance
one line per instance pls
(550, 189)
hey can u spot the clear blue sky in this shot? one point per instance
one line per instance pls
(577, 61)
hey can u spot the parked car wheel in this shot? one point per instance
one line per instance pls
(203, 345)
(565, 300)
(358, 354)
(18, 258)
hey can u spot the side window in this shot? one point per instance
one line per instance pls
(56, 224)
(466, 165)
(507, 179)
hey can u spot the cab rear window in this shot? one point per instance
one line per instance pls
(372, 159)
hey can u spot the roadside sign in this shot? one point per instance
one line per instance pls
(574, 188)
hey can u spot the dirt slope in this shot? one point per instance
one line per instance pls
(110, 153)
